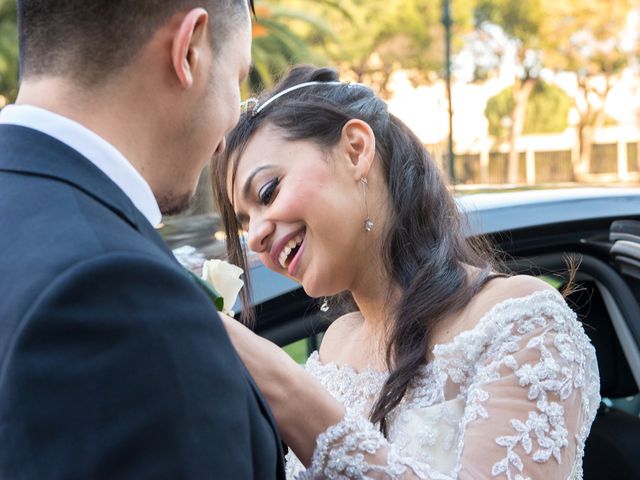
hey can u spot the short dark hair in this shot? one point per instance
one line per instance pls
(92, 39)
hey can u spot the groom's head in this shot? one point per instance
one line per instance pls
(162, 77)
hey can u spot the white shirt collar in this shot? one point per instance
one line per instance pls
(100, 152)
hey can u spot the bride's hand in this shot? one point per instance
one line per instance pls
(301, 406)
(269, 365)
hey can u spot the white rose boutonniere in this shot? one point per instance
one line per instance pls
(225, 280)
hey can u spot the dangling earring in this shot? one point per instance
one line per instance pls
(324, 308)
(368, 223)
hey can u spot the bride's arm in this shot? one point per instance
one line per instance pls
(312, 423)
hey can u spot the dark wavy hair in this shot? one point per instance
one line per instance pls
(424, 250)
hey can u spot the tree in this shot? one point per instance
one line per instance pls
(377, 37)
(8, 52)
(547, 110)
(592, 44)
(283, 35)
(524, 23)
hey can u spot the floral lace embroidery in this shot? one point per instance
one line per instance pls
(564, 364)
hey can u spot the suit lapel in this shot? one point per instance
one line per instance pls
(145, 228)
(30, 152)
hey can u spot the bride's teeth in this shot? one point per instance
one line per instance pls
(286, 251)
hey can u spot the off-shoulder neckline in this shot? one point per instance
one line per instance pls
(314, 358)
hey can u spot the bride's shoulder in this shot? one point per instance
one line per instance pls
(504, 289)
(499, 291)
(338, 335)
(517, 286)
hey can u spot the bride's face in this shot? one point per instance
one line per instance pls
(303, 209)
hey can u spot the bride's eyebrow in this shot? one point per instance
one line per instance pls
(247, 184)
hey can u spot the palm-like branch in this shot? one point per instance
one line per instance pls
(284, 36)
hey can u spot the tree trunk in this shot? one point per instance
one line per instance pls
(521, 92)
(590, 121)
(585, 137)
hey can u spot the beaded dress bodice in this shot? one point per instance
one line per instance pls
(512, 398)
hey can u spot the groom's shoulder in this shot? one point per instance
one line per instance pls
(50, 228)
(49, 216)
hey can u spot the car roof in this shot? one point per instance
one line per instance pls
(506, 211)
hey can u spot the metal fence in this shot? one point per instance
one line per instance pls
(552, 159)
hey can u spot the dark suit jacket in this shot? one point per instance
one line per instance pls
(113, 362)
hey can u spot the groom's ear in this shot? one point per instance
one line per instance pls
(359, 143)
(188, 44)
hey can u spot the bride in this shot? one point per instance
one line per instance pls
(444, 369)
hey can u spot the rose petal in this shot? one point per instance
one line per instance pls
(224, 277)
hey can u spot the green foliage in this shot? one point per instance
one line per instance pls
(547, 110)
(8, 51)
(366, 39)
(376, 37)
(590, 37)
(298, 351)
(284, 35)
(520, 20)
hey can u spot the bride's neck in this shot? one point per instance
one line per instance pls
(375, 300)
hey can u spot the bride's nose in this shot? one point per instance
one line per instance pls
(259, 231)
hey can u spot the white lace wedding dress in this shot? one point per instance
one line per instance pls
(512, 398)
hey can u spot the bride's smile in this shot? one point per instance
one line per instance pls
(287, 251)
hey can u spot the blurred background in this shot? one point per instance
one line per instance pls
(503, 93)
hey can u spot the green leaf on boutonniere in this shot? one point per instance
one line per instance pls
(217, 300)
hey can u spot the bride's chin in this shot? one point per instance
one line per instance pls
(314, 291)
(311, 291)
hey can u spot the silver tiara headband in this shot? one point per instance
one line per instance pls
(253, 106)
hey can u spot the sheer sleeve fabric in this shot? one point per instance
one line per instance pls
(528, 410)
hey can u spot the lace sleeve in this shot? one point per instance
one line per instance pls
(533, 400)
(529, 408)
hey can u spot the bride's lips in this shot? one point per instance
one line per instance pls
(293, 265)
(281, 244)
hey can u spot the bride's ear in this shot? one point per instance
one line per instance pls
(359, 144)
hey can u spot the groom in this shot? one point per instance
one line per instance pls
(113, 363)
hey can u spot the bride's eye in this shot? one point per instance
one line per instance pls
(267, 192)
